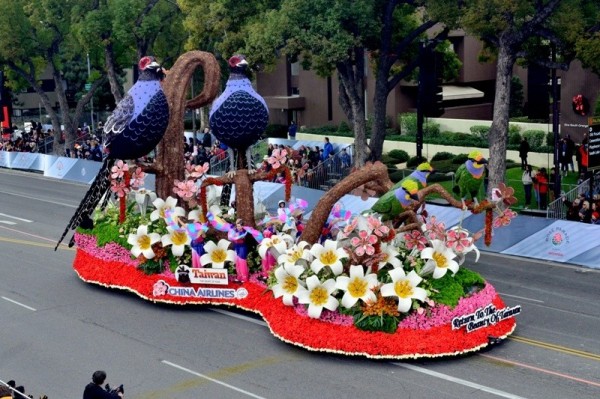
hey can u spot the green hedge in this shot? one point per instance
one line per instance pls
(536, 138)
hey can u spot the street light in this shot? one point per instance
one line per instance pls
(91, 99)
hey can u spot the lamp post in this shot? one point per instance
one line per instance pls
(91, 99)
(555, 123)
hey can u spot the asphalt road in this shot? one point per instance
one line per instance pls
(56, 330)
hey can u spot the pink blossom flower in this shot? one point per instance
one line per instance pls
(415, 239)
(435, 230)
(185, 189)
(349, 228)
(364, 243)
(137, 178)
(379, 229)
(196, 171)
(504, 218)
(119, 188)
(118, 170)
(278, 158)
(458, 240)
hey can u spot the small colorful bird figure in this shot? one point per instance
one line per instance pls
(135, 128)
(469, 176)
(392, 203)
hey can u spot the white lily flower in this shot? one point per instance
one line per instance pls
(143, 197)
(141, 242)
(389, 254)
(178, 239)
(357, 286)
(404, 287)
(276, 242)
(294, 254)
(440, 259)
(160, 205)
(217, 254)
(328, 255)
(288, 284)
(318, 296)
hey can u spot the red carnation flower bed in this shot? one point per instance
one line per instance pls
(286, 324)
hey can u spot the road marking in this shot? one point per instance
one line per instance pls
(211, 379)
(541, 370)
(16, 218)
(41, 200)
(520, 297)
(459, 381)
(18, 303)
(7, 222)
(558, 348)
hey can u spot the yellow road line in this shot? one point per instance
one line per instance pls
(558, 348)
(34, 243)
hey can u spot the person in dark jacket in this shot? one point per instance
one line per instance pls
(523, 151)
(94, 389)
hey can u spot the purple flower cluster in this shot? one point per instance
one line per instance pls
(442, 314)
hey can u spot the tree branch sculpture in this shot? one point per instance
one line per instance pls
(169, 163)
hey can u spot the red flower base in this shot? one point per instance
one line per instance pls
(286, 324)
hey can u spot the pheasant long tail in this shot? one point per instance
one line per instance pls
(92, 198)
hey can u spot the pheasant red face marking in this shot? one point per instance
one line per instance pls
(144, 62)
(235, 60)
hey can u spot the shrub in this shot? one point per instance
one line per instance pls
(535, 138)
(413, 162)
(513, 129)
(460, 159)
(388, 161)
(397, 175)
(408, 125)
(440, 156)
(399, 155)
(514, 137)
(344, 127)
(480, 131)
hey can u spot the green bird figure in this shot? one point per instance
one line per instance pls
(469, 176)
(392, 203)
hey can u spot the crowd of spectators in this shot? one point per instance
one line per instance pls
(10, 390)
(310, 166)
(583, 209)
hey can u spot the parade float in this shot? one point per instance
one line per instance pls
(388, 286)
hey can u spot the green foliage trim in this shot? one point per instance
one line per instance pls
(449, 289)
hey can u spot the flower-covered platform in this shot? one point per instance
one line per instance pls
(475, 322)
(389, 283)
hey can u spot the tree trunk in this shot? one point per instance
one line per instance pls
(352, 97)
(169, 162)
(379, 115)
(109, 60)
(498, 136)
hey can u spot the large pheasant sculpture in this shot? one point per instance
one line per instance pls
(239, 116)
(135, 127)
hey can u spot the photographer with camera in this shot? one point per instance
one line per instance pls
(94, 389)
